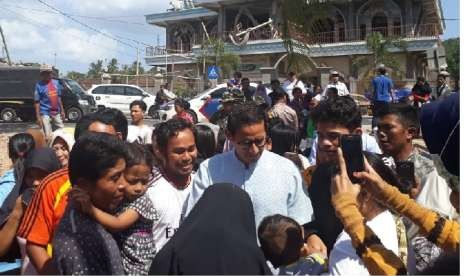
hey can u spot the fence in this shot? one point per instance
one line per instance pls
(360, 34)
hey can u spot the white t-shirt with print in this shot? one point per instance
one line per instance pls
(168, 201)
(140, 134)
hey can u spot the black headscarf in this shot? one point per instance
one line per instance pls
(41, 158)
(440, 126)
(218, 237)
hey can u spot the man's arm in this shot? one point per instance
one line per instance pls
(391, 90)
(8, 231)
(37, 107)
(38, 118)
(62, 109)
(40, 259)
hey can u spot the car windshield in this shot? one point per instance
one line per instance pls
(74, 87)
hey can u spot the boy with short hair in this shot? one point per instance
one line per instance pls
(282, 241)
(138, 131)
(397, 127)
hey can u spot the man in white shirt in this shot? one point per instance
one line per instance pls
(343, 259)
(273, 183)
(292, 82)
(138, 132)
(174, 145)
(334, 82)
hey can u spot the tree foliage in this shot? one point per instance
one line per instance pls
(297, 31)
(112, 66)
(452, 47)
(379, 53)
(132, 69)
(214, 53)
(95, 69)
(75, 75)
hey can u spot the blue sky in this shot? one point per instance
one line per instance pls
(37, 32)
(451, 11)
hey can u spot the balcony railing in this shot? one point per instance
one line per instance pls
(352, 35)
(338, 36)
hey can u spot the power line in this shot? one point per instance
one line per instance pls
(114, 37)
(108, 19)
(89, 27)
(41, 24)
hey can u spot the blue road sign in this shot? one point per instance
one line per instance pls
(213, 73)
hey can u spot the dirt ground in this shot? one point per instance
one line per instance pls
(5, 162)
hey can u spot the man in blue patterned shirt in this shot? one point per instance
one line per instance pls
(273, 182)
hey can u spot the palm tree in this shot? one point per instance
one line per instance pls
(112, 66)
(379, 53)
(214, 53)
(95, 69)
(297, 31)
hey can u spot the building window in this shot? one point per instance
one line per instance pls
(363, 32)
(397, 29)
(324, 30)
(379, 23)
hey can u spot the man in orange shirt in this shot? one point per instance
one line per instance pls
(51, 198)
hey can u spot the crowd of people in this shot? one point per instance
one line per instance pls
(238, 194)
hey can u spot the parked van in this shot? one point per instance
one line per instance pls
(17, 84)
(119, 96)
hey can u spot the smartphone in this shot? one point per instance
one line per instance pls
(406, 172)
(352, 150)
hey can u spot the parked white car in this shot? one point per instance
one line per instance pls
(167, 112)
(119, 96)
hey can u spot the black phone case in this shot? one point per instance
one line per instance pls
(352, 150)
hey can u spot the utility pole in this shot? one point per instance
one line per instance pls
(5, 47)
(55, 60)
(137, 65)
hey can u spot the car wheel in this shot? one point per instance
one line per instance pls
(73, 114)
(27, 117)
(8, 114)
(152, 112)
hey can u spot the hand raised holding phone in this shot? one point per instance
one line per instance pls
(341, 182)
(353, 156)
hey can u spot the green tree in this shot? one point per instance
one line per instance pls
(378, 48)
(133, 68)
(95, 69)
(297, 31)
(130, 69)
(75, 75)
(214, 53)
(452, 47)
(112, 66)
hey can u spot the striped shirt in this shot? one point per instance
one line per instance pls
(46, 209)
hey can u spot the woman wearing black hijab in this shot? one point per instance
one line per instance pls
(218, 237)
(37, 165)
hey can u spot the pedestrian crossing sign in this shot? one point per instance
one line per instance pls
(213, 73)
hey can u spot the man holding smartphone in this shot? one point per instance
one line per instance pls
(398, 125)
(333, 118)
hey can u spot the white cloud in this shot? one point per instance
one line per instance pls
(82, 47)
(35, 33)
(21, 36)
(116, 7)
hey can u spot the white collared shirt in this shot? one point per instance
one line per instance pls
(340, 86)
(273, 183)
(343, 259)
